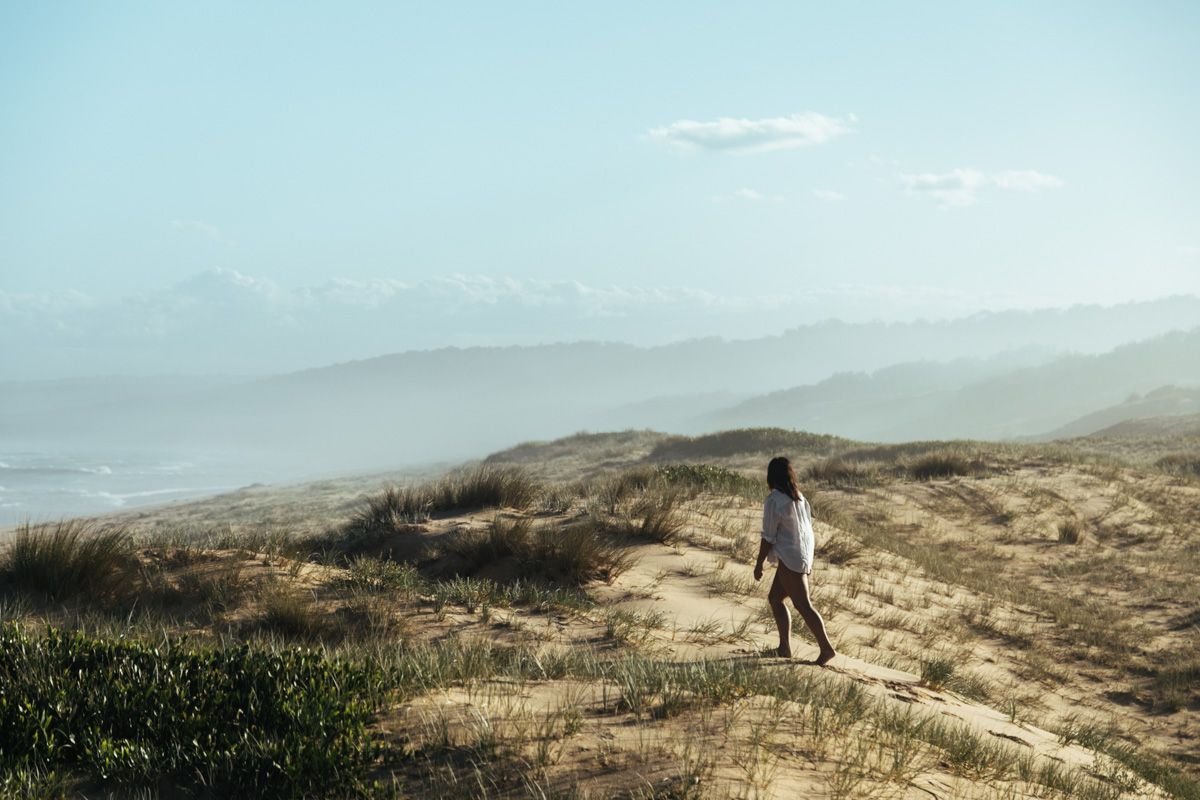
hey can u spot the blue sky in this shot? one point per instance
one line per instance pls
(935, 158)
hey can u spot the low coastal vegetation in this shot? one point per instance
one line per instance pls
(509, 631)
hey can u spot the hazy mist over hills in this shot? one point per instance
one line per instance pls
(986, 376)
(979, 400)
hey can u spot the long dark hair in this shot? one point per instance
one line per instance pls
(781, 476)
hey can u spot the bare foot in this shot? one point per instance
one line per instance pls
(783, 652)
(825, 658)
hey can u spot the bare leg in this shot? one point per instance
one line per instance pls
(795, 585)
(783, 620)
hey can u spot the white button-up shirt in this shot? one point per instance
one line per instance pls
(787, 525)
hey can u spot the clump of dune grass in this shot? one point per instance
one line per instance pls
(566, 554)
(400, 510)
(69, 559)
(840, 549)
(843, 473)
(1184, 465)
(466, 490)
(660, 522)
(656, 516)
(504, 538)
(395, 508)
(936, 672)
(1070, 531)
(482, 487)
(942, 464)
(612, 491)
(293, 615)
(1176, 682)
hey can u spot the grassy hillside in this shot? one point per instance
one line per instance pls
(1165, 401)
(577, 618)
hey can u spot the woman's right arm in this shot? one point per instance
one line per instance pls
(764, 547)
(768, 538)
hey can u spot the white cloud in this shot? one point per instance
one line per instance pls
(1025, 180)
(343, 292)
(961, 187)
(729, 134)
(828, 195)
(749, 196)
(39, 303)
(199, 228)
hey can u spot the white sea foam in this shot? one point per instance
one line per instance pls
(170, 468)
(120, 498)
(157, 492)
(107, 497)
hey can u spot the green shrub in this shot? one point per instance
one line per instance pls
(233, 722)
(70, 559)
(710, 478)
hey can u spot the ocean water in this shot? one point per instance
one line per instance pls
(42, 485)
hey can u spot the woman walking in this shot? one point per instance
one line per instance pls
(787, 537)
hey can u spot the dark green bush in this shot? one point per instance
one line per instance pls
(711, 478)
(235, 722)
